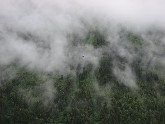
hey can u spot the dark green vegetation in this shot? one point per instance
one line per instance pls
(90, 97)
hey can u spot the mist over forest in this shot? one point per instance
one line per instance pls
(82, 62)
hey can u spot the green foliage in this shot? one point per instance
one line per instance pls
(90, 97)
(135, 39)
(96, 39)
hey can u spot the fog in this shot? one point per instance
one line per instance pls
(38, 34)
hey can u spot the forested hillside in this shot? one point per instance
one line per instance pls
(90, 95)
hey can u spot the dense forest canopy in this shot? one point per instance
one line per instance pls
(91, 95)
(82, 62)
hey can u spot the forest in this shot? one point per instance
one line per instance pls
(92, 95)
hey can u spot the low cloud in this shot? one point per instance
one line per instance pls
(35, 34)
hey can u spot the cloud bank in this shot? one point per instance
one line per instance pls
(38, 34)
